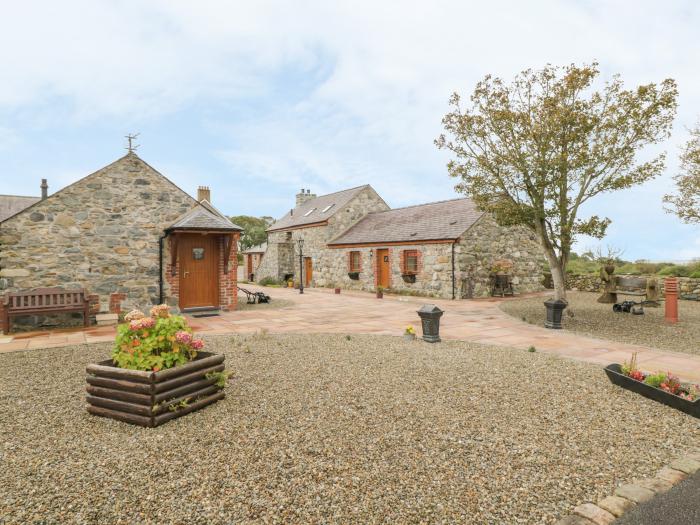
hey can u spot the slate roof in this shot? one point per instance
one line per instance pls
(312, 210)
(13, 204)
(444, 220)
(260, 248)
(203, 217)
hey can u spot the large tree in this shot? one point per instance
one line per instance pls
(253, 229)
(534, 151)
(686, 203)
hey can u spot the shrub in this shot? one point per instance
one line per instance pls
(656, 380)
(695, 274)
(270, 281)
(675, 270)
(156, 342)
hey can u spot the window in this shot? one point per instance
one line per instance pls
(327, 208)
(309, 212)
(355, 262)
(410, 262)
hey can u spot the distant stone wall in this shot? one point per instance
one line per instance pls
(101, 233)
(591, 283)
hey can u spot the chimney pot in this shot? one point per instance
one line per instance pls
(44, 189)
(204, 194)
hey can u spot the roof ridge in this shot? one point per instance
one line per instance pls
(21, 196)
(424, 204)
(333, 193)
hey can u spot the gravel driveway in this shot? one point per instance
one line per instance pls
(326, 429)
(598, 320)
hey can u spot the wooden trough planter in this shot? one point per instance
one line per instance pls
(150, 399)
(614, 373)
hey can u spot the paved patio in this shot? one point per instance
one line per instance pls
(321, 311)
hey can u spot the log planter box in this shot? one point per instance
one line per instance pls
(150, 399)
(614, 373)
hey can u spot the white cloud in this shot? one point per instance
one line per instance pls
(375, 78)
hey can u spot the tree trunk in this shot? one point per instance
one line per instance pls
(558, 278)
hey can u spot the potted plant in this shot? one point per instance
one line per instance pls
(409, 334)
(157, 372)
(662, 386)
(380, 292)
(336, 288)
(409, 277)
(354, 275)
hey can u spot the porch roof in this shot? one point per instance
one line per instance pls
(203, 217)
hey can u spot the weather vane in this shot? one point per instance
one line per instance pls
(130, 138)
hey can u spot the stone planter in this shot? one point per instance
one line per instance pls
(150, 399)
(554, 310)
(614, 373)
(409, 337)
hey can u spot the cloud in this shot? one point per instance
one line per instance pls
(318, 94)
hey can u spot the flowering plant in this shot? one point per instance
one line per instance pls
(156, 342)
(662, 380)
(410, 330)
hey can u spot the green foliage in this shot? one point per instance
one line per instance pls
(148, 343)
(532, 349)
(686, 202)
(270, 281)
(695, 274)
(221, 377)
(675, 270)
(253, 229)
(534, 151)
(656, 380)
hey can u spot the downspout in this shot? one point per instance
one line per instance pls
(453, 269)
(160, 266)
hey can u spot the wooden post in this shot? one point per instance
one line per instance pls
(671, 291)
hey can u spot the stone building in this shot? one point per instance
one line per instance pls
(252, 258)
(129, 236)
(443, 249)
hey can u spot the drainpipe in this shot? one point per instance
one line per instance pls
(160, 266)
(453, 269)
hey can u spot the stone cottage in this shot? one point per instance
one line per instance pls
(316, 221)
(252, 258)
(443, 249)
(129, 236)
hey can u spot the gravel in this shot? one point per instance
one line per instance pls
(598, 320)
(335, 430)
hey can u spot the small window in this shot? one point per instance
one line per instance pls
(355, 261)
(309, 212)
(411, 262)
(198, 254)
(327, 208)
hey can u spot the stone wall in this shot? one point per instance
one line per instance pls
(101, 233)
(591, 283)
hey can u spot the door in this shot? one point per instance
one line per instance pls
(199, 270)
(250, 267)
(383, 268)
(308, 271)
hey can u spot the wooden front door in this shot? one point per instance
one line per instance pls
(250, 267)
(383, 268)
(199, 270)
(308, 271)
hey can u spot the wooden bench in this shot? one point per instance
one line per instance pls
(44, 301)
(636, 287)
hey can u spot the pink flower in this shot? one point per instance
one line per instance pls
(135, 324)
(147, 322)
(197, 344)
(183, 337)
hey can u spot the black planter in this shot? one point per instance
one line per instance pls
(614, 373)
(555, 308)
(354, 275)
(409, 277)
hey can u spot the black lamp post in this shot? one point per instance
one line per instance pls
(300, 242)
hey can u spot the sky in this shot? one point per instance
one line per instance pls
(259, 99)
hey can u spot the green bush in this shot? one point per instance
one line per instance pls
(655, 380)
(675, 270)
(270, 281)
(695, 274)
(154, 343)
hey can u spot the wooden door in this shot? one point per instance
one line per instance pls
(250, 267)
(383, 268)
(199, 270)
(308, 270)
